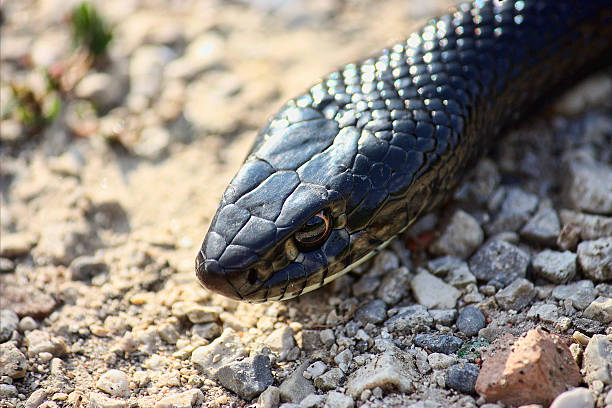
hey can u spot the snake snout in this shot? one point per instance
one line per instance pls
(214, 277)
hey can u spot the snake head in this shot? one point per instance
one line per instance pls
(280, 229)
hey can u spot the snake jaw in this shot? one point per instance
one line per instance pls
(213, 277)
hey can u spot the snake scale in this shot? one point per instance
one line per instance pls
(343, 168)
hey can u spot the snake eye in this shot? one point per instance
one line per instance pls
(314, 232)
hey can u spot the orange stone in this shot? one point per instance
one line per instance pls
(532, 369)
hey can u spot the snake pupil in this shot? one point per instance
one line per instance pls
(252, 276)
(314, 232)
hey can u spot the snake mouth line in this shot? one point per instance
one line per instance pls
(309, 288)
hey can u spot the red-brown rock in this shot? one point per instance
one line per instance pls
(532, 369)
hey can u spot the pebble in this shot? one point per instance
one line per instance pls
(440, 361)
(315, 369)
(6, 265)
(580, 293)
(461, 236)
(147, 65)
(600, 309)
(269, 398)
(281, 341)
(392, 370)
(576, 398)
(295, 387)
(374, 312)
(114, 383)
(204, 51)
(8, 391)
(99, 400)
(433, 292)
(470, 321)
(554, 266)
(8, 324)
(587, 325)
(394, 286)
(462, 377)
(499, 263)
(152, 143)
(438, 343)
(543, 227)
(312, 342)
(408, 318)
(36, 398)
(16, 244)
(595, 258)
(247, 378)
(39, 341)
(588, 187)
(202, 314)
(516, 209)
(590, 226)
(597, 360)
(186, 399)
(84, 268)
(344, 359)
(329, 380)
(12, 361)
(50, 48)
(313, 401)
(104, 90)
(517, 295)
(445, 317)
(223, 350)
(337, 399)
(544, 312)
(533, 370)
(208, 331)
(366, 285)
(327, 337)
(384, 262)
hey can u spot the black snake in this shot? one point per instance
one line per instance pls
(342, 169)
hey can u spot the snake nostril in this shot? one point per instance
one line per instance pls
(252, 276)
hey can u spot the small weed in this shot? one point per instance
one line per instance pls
(89, 30)
(473, 349)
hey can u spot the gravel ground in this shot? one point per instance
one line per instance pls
(104, 207)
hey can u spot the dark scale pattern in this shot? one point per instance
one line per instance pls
(382, 141)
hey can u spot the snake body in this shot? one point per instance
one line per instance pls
(343, 168)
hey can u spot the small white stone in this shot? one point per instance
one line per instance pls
(576, 398)
(433, 292)
(115, 383)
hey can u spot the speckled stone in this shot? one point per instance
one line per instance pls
(554, 266)
(295, 387)
(517, 295)
(595, 259)
(392, 370)
(470, 321)
(438, 343)
(461, 236)
(600, 309)
(374, 311)
(499, 263)
(462, 377)
(248, 378)
(8, 324)
(581, 293)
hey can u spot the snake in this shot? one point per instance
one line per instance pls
(345, 167)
